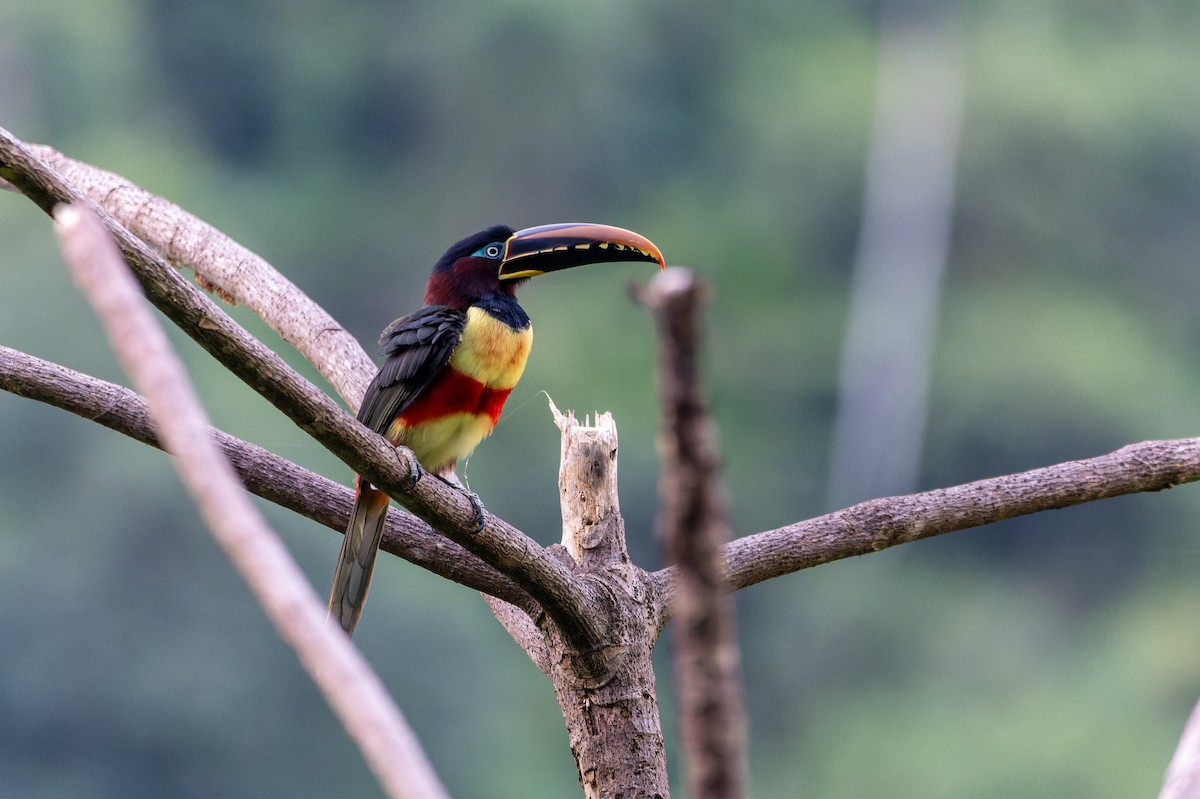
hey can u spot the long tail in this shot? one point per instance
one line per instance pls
(357, 559)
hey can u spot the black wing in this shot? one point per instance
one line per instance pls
(417, 347)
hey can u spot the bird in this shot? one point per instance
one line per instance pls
(449, 367)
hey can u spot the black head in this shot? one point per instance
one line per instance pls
(470, 269)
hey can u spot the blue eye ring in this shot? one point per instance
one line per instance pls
(493, 251)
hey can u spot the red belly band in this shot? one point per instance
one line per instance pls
(453, 392)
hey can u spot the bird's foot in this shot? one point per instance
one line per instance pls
(472, 497)
(480, 511)
(414, 471)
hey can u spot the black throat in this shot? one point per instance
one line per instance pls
(505, 308)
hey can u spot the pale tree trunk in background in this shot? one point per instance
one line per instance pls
(903, 243)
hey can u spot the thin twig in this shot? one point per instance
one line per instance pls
(694, 523)
(349, 685)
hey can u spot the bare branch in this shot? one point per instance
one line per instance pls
(236, 273)
(264, 473)
(694, 523)
(509, 550)
(349, 685)
(882, 523)
(1183, 774)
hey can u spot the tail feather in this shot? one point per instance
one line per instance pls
(352, 578)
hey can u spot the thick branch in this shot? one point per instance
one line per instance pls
(507, 549)
(694, 523)
(349, 685)
(882, 523)
(264, 473)
(236, 273)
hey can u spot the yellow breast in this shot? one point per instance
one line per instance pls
(492, 352)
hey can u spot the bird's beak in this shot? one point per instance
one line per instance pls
(549, 248)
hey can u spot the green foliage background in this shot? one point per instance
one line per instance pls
(349, 143)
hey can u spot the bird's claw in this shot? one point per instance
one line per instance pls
(480, 511)
(414, 471)
(472, 497)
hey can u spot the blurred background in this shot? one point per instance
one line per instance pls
(943, 245)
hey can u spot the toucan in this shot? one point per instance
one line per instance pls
(449, 367)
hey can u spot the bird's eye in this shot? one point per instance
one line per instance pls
(493, 250)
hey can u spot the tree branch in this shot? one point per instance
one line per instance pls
(507, 549)
(694, 523)
(882, 523)
(221, 264)
(349, 685)
(264, 473)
